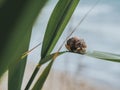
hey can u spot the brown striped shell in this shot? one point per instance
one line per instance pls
(76, 45)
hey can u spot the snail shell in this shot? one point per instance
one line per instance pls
(76, 45)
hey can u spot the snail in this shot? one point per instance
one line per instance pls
(76, 45)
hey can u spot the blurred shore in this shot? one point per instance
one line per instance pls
(58, 80)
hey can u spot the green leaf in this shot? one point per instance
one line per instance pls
(41, 62)
(101, 55)
(16, 17)
(95, 54)
(1, 3)
(49, 57)
(57, 23)
(41, 80)
(16, 75)
(16, 20)
(16, 71)
(104, 56)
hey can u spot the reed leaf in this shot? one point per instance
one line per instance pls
(16, 72)
(49, 57)
(44, 60)
(57, 23)
(97, 54)
(104, 56)
(41, 80)
(16, 21)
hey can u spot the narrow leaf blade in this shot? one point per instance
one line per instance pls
(49, 57)
(57, 23)
(15, 20)
(104, 56)
(16, 71)
(16, 75)
(41, 80)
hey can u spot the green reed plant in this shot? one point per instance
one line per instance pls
(19, 19)
(16, 21)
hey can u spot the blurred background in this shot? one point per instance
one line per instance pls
(100, 30)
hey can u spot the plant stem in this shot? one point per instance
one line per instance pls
(33, 76)
(41, 62)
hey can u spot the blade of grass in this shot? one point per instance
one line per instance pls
(100, 55)
(41, 80)
(95, 54)
(16, 20)
(39, 84)
(25, 54)
(58, 21)
(104, 56)
(41, 62)
(15, 77)
(16, 71)
(49, 57)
